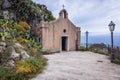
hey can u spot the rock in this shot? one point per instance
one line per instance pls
(14, 54)
(24, 54)
(2, 44)
(11, 64)
(18, 45)
(2, 49)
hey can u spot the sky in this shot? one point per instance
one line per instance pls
(91, 15)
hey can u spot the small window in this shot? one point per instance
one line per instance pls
(64, 30)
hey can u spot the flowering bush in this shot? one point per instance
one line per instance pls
(24, 67)
(23, 41)
(19, 28)
(19, 33)
(24, 24)
(31, 65)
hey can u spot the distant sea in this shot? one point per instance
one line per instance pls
(106, 39)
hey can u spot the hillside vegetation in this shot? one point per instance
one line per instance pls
(20, 54)
(27, 10)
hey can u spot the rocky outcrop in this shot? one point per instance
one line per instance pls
(11, 64)
(24, 54)
(2, 46)
(17, 53)
(14, 54)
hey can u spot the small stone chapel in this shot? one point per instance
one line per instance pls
(58, 35)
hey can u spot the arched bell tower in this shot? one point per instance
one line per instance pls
(63, 14)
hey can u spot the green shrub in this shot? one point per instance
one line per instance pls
(14, 33)
(24, 24)
(24, 69)
(48, 52)
(30, 67)
(33, 44)
(117, 61)
(45, 52)
(4, 73)
(19, 28)
(5, 35)
(14, 76)
(82, 48)
(99, 51)
(5, 55)
(98, 45)
(94, 50)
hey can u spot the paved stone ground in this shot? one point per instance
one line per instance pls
(79, 66)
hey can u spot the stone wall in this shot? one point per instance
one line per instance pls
(53, 31)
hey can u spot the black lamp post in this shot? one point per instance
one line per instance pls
(111, 28)
(86, 40)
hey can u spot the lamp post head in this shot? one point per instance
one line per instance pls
(111, 26)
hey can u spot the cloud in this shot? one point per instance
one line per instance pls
(91, 15)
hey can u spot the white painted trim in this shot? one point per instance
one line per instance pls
(60, 44)
(68, 44)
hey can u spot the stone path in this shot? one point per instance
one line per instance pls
(79, 66)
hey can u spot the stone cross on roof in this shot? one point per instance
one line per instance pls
(63, 6)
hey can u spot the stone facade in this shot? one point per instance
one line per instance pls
(58, 35)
